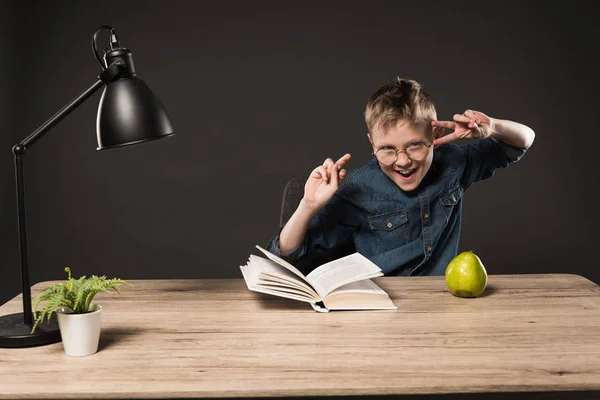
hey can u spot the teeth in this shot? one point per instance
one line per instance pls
(405, 171)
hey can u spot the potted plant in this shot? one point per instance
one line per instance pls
(78, 318)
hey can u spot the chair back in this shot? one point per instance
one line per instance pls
(292, 195)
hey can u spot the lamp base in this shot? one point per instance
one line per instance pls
(15, 334)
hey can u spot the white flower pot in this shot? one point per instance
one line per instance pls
(80, 333)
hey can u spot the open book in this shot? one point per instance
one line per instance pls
(342, 284)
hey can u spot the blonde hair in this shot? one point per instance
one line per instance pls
(401, 100)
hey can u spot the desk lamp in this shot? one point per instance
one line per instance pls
(128, 113)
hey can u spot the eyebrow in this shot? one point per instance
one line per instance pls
(407, 144)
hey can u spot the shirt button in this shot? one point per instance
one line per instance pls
(428, 248)
(426, 215)
(389, 224)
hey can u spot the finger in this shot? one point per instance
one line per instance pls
(327, 164)
(344, 159)
(334, 177)
(469, 121)
(447, 139)
(461, 118)
(324, 174)
(327, 175)
(315, 174)
(472, 114)
(444, 124)
(443, 140)
(341, 176)
(464, 134)
(340, 163)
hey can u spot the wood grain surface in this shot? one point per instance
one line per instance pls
(215, 338)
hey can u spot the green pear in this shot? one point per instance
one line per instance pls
(466, 276)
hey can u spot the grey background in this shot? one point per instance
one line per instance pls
(259, 92)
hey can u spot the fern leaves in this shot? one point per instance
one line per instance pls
(76, 294)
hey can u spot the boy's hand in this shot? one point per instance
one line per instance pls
(323, 182)
(470, 124)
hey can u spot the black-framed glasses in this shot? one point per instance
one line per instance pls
(415, 151)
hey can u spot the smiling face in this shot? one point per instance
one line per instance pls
(405, 173)
(398, 116)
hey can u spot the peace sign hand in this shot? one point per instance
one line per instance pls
(323, 182)
(470, 124)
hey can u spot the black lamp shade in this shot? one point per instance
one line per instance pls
(130, 113)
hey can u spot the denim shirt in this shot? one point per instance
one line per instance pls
(404, 233)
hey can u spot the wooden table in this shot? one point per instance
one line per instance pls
(214, 338)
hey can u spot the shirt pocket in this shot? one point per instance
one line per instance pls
(390, 229)
(449, 200)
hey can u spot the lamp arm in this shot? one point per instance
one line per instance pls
(113, 72)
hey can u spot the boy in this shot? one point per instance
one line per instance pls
(403, 209)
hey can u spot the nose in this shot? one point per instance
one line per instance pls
(403, 161)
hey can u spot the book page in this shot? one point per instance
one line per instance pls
(283, 263)
(286, 289)
(359, 295)
(252, 285)
(278, 280)
(336, 273)
(273, 269)
(364, 286)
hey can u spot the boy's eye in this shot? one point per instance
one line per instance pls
(387, 148)
(415, 145)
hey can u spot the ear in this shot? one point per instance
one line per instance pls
(370, 138)
(438, 132)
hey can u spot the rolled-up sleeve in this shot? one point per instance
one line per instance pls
(332, 227)
(484, 156)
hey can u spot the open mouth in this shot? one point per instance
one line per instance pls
(406, 174)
